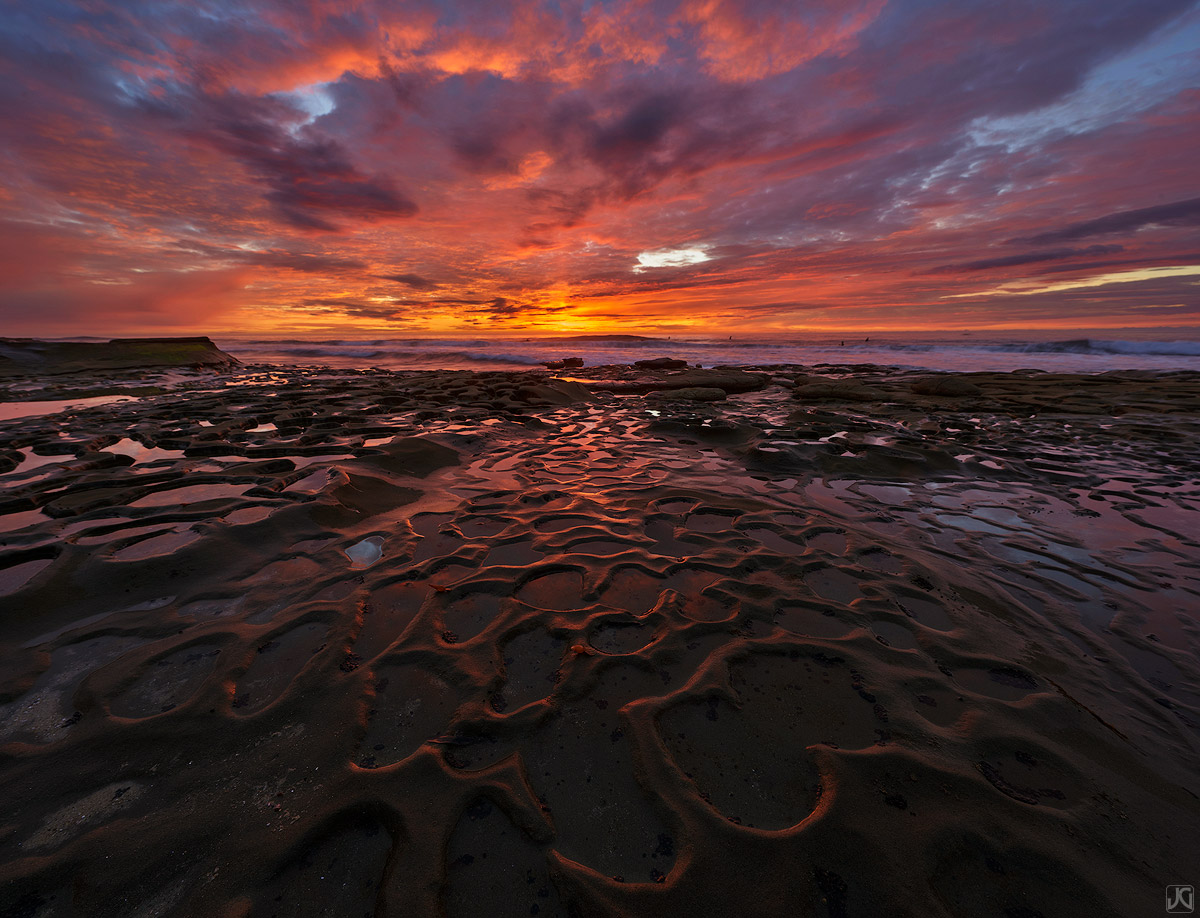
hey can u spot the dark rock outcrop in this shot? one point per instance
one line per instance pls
(841, 390)
(729, 380)
(32, 357)
(661, 363)
(954, 386)
(693, 394)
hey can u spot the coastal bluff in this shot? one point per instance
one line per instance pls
(34, 357)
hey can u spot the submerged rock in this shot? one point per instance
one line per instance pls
(945, 385)
(661, 363)
(552, 392)
(728, 380)
(413, 456)
(693, 394)
(846, 390)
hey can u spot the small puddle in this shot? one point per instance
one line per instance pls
(812, 622)
(33, 461)
(191, 494)
(968, 523)
(11, 522)
(247, 515)
(164, 544)
(711, 521)
(1004, 682)
(15, 577)
(560, 591)
(775, 542)
(365, 553)
(888, 494)
(894, 635)
(311, 483)
(832, 542)
(12, 410)
(139, 452)
(468, 615)
(833, 583)
(515, 554)
(621, 637)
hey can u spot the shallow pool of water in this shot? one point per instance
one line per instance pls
(12, 410)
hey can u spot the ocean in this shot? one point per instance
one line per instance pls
(1083, 351)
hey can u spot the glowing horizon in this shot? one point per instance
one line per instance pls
(641, 166)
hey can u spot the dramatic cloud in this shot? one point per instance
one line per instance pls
(1178, 213)
(1029, 258)
(309, 178)
(639, 165)
(416, 281)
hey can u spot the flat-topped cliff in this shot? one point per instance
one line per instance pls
(31, 356)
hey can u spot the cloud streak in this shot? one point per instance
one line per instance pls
(1028, 258)
(1176, 214)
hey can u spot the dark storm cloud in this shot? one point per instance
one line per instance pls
(416, 281)
(1177, 213)
(638, 130)
(310, 179)
(1168, 257)
(356, 306)
(500, 306)
(644, 135)
(494, 306)
(1012, 261)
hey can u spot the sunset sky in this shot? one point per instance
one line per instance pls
(647, 166)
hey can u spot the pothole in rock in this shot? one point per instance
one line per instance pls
(411, 706)
(276, 663)
(166, 682)
(751, 762)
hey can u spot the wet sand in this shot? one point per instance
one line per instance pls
(794, 641)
